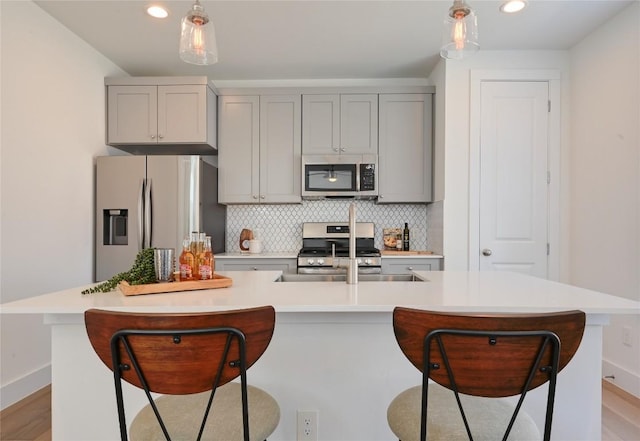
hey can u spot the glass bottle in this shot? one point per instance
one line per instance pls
(194, 242)
(405, 237)
(195, 250)
(187, 262)
(205, 260)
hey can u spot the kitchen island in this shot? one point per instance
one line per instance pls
(333, 349)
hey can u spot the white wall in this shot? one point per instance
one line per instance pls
(52, 120)
(605, 179)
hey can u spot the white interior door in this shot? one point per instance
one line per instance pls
(514, 137)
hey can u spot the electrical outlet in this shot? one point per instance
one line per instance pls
(626, 335)
(307, 425)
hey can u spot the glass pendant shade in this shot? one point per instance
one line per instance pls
(198, 37)
(460, 32)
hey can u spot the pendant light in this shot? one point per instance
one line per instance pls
(198, 37)
(460, 32)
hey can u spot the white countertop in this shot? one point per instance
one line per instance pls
(444, 291)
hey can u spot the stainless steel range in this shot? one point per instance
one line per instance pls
(323, 244)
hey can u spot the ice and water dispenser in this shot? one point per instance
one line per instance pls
(115, 227)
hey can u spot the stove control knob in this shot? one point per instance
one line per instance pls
(320, 261)
(359, 261)
(367, 261)
(310, 261)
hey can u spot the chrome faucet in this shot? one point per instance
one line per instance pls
(352, 263)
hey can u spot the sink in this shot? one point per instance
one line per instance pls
(343, 278)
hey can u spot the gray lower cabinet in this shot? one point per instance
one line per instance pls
(408, 265)
(249, 264)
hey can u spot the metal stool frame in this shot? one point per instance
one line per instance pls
(122, 337)
(181, 354)
(492, 355)
(548, 338)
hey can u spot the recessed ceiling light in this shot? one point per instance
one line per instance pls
(157, 11)
(511, 6)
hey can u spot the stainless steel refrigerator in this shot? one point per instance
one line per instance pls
(153, 201)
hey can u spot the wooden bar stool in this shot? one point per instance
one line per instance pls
(475, 360)
(191, 359)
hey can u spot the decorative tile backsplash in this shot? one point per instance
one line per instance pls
(281, 225)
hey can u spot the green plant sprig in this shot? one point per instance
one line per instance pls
(141, 273)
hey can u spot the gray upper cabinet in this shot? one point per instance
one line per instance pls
(340, 124)
(405, 148)
(161, 115)
(259, 154)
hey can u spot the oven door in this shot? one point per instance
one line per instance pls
(324, 265)
(333, 271)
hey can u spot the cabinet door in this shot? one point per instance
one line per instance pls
(320, 124)
(407, 266)
(132, 114)
(359, 124)
(238, 149)
(280, 149)
(248, 264)
(405, 148)
(182, 114)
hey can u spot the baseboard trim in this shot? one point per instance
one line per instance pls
(622, 378)
(21, 388)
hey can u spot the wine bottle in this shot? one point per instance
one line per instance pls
(405, 237)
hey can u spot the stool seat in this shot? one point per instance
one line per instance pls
(487, 417)
(191, 360)
(224, 422)
(474, 366)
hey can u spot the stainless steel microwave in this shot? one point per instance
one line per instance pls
(339, 176)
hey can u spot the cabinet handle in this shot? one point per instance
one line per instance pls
(342, 149)
(161, 136)
(262, 196)
(255, 268)
(153, 136)
(410, 268)
(335, 149)
(255, 197)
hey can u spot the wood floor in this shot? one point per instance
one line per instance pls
(620, 414)
(30, 419)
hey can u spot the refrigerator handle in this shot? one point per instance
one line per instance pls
(141, 214)
(148, 215)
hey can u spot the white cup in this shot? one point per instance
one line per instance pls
(255, 246)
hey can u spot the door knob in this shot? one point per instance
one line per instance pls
(486, 252)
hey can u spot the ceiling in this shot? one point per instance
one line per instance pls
(327, 39)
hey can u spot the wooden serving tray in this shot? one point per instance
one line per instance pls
(405, 253)
(189, 285)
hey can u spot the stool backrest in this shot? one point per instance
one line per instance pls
(179, 353)
(489, 355)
